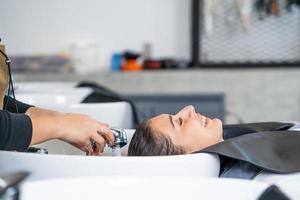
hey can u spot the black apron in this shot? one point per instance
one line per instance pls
(250, 148)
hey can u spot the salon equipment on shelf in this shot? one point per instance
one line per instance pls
(130, 62)
(165, 64)
(116, 61)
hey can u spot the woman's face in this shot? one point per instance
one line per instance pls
(189, 129)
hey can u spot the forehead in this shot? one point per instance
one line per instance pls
(160, 120)
(161, 123)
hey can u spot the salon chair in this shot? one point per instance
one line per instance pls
(56, 96)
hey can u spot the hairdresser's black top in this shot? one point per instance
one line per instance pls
(15, 129)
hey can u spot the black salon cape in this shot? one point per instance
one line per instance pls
(15, 128)
(250, 148)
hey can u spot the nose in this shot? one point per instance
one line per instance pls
(186, 112)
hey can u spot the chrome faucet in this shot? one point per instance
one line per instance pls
(120, 138)
(9, 185)
(120, 141)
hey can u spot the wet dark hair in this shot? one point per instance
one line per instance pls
(148, 142)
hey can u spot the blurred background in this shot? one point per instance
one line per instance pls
(233, 59)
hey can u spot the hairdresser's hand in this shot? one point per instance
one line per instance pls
(76, 129)
(82, 131)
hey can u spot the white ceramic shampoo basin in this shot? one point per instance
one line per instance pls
(146, 188)
(63, 166)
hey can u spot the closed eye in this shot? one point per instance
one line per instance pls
(180, 121)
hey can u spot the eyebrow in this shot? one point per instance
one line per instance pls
(171, 121)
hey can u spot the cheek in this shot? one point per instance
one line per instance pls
(194, 132)
(216, 130)
(195, 135)
(193, 128)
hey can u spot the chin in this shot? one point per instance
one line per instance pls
(219, 124)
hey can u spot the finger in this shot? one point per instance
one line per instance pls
(107, 138)
(100, 142)
(96, 149)
(94, 145)
(89, 149)
(106, 133)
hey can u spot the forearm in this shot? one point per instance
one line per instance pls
(18, 131)
(41, 112)
(76, 129)
(45, 128)
(45, 124)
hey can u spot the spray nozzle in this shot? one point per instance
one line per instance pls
(120, 138)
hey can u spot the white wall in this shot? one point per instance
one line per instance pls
(50, 26)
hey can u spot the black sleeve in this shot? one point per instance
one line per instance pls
(11, 107)
(15, 131)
